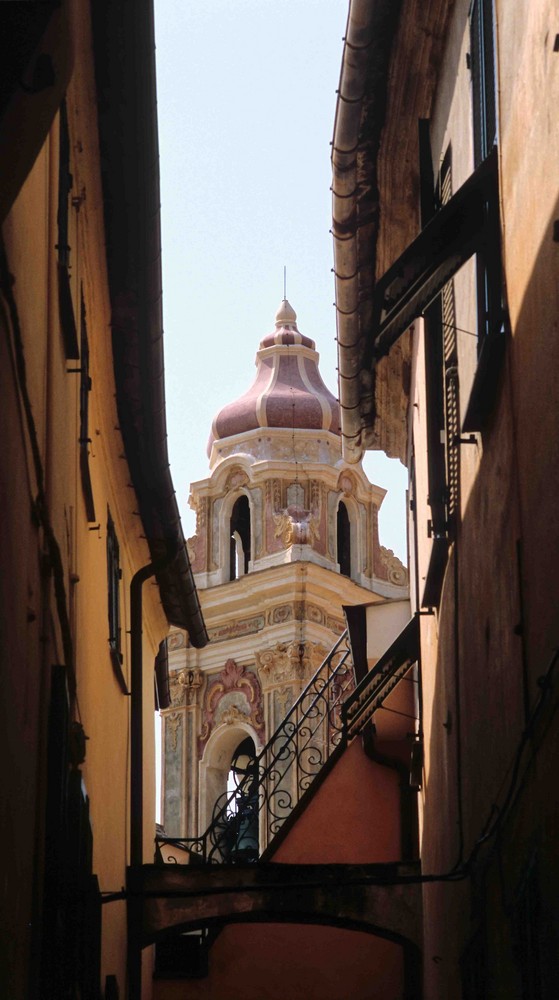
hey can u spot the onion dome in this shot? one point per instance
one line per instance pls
(288, 391)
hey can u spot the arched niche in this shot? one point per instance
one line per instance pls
(347, 535)
(343, 539)
(216, 765)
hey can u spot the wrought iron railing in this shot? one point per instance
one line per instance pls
(329, 713)
(245, 820)
(362, 703)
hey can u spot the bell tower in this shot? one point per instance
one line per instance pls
(286, 534)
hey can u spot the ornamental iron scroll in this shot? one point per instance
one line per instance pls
(278, 777)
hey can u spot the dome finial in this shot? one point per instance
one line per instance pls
(286, 315)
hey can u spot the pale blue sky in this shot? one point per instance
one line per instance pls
(246, 96)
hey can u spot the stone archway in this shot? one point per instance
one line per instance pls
(215, 765)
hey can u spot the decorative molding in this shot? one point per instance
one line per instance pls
(314, 614)
(273, 495)
(173, 723)
(396, 571)
(299, 610)
(346, 483)
(200, 506)
(288, 662)
(184, 686)
(235, 695)
(232, 715)
(317, 491)
(236, 478)
(335, 625)
(296, 527)
(280, 614)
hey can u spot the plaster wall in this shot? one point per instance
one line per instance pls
(30, 635)
(353, 817)
(496, 627)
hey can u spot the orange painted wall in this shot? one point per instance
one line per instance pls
(294, 962)
(353, 817)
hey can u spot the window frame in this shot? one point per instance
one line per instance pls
(114, 577)
(483, 70)
(65, 181)
(468, 224)
(84, 439)
(346, 539)
(240, 537)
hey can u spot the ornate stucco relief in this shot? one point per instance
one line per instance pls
(197, 543)
(332, 505)
(257, 520)
(296, 527)
(235, 695)
(396, 572)
(216, 556)
(185, 685)
(237, 477)
(298, 610)
(288, 662)
(347, 484)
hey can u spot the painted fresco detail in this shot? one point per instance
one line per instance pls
(236, 629)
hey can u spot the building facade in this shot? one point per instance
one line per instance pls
(445, 205)
(89, 521)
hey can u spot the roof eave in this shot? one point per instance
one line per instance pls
(374, 200)
(127, 114)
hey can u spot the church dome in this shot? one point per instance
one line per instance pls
(288, 391)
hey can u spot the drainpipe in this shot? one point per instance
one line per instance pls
(136, 711)
(136, 763)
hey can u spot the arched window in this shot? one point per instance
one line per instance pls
(241, 835)
(344, 540)
(239, 538)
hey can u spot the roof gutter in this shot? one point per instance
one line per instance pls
(390, 67)
(360, 116)
(127, 112)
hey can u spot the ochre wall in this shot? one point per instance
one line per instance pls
(497, 626)
(30, 634)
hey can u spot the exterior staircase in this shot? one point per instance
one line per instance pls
(249, 822)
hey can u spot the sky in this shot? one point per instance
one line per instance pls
(246, 104)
